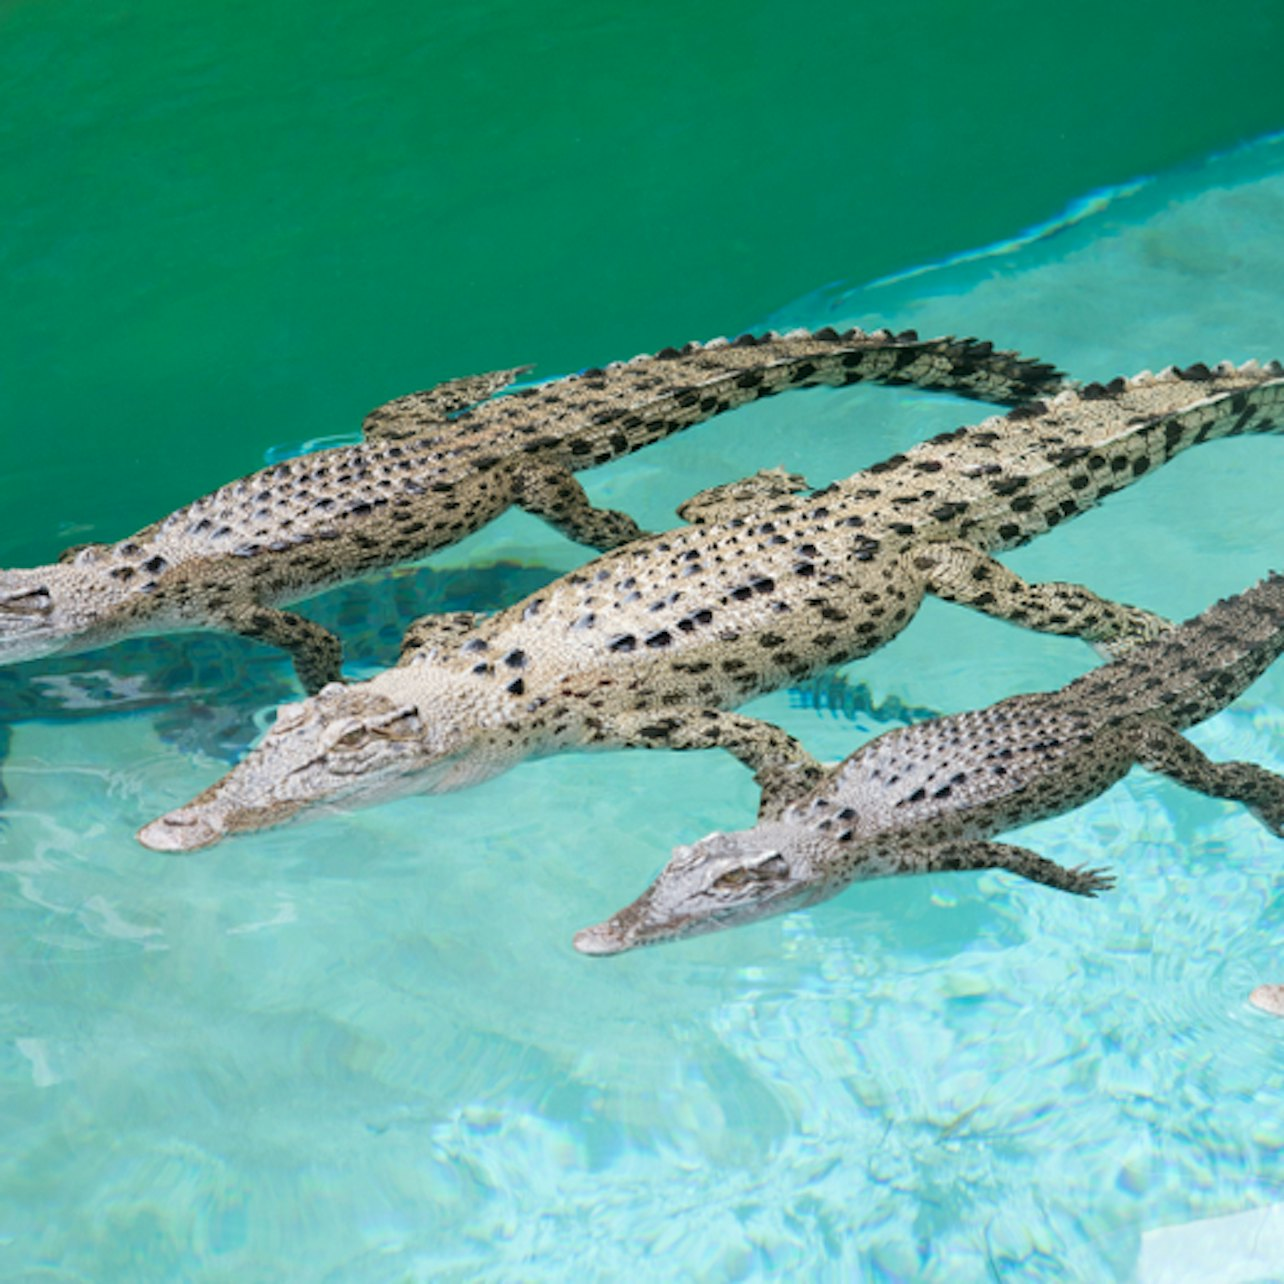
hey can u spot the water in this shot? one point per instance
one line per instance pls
(363, 1050)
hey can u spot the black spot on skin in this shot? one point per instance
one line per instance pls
(1030, 410)
(887, 465)
(663, 638)
(515, 659)
(516, 687)
(624, 642)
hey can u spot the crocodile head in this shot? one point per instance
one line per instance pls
(345, 746)
(63, 607)
(724, 880)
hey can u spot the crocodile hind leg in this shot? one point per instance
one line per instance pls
(961, 572)
(1016, 860)
(782, 768)
(1165, 750)
(316, 652)
(553, 493)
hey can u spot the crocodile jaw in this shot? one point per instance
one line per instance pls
(204, 821)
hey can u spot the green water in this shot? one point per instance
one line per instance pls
(364, 1050)
(238, 222)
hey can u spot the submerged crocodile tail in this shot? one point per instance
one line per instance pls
(633, 403)
(1189, 674)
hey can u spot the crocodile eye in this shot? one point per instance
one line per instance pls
(768, 868)
(351, 739)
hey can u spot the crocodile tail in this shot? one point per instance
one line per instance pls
(1170, 415)
(1191, 673)
(612, 411)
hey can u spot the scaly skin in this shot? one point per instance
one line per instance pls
(647, 646)
(932, 796)
(433, 467)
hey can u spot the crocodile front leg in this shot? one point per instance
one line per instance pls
(782, 768)
(316, 651)
(961, 572)
(1165, 750)
(1016, 860)
(552, 493)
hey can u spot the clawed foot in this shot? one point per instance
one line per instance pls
(1083, 880)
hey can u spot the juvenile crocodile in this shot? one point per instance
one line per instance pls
(932, 796)
(433, 467)
(649, 645)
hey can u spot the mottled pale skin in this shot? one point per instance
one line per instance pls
(932, 797)
(433, 467)
(650, 645)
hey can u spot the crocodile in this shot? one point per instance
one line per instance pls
(932, 796)
(431, 468)
(651, 645)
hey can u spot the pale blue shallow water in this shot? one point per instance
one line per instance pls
(365, 1050)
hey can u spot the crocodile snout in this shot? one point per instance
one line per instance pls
(602, 938)
(186, 830)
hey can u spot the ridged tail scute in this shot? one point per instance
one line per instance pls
(630, 404)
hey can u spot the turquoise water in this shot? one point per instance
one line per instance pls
(365, 1050)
